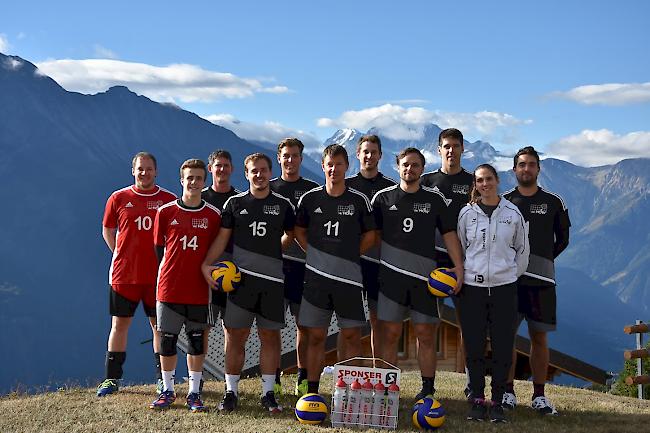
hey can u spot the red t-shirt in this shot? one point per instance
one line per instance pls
(186, 234)
(132, 212)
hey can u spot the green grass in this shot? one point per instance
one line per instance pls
(78, 410)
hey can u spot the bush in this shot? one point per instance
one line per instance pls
(629, 369)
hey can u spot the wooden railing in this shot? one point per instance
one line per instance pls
(639, 354)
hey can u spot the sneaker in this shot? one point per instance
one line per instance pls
(164, 400)
(543, 406)
(160, 386)
(268, 401)
(277, 389)
(194, 403)
(479, 411)
(496, 413)
(422, 394)
(468, 394)
(509, 401)
(301, 388)
(229, 402)
(108, 386)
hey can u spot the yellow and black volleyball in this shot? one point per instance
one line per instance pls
(227, 276)
(311, 409)
(441, 282)
(428, 414)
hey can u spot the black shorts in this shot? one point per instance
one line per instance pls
(408, 292)
(370, 275)
(346, 300)
(119, 306)
(259, 296)
(294, 280)
(537, 304)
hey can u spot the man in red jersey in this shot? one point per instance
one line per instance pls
(127, 230)
(183, 232)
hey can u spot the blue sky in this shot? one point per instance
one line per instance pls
(571, 78)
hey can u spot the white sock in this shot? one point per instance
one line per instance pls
(168, 380)
(268, 381)
(232, 382)
(195, 382)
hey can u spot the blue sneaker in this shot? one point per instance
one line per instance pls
(194, 403)
(164, 400)
(108, 386)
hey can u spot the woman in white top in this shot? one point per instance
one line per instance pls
(494, 238)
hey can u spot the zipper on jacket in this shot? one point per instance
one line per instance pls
(489, 291)
(489, 242)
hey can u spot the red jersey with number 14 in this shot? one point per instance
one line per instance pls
(132, 211)
(186, 233)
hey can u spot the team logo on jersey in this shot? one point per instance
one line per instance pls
(174, 222)
(154, 204)
(243, 212)
(393, 207)
(297, 194)
(129, 204)
(460, 189)
(318, 210)
(272, 209)
(422, 207)
(345, 210)
(540, 209)
(200, 223)
(505, 220)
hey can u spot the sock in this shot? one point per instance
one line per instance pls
(312, 387)
(510, 387)
(156, 357)
(538, 390)
(168, 380)
(302, 374)
(114, 362)
(427, 385)
(277, 376)
(232, 382)
(268, 380)
(195, 381)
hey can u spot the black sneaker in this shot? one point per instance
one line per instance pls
(423, 393)
(496, 413)
(468, 394)
(479, 411)
(229, 402)
(268, 402)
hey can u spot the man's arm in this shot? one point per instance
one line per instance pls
(455, 253)
(215, 251)
(368, 240)
(110, 236)
(561, 231)
(287, 239)
(300, 234)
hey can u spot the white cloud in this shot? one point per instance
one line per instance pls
(4, 43)
(269, 131)
(176, 82)
(403, 123)
(608, 94)
(600, 147)
(104, 53)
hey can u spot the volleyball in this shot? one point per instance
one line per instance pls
(227, 276)
(311, 409)
(428, 414)
(441, 282)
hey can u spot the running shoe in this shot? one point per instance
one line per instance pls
(194, 403)
(509, 401)
(108, 386)
(229, 402)
(268, 401)
(543, 406)
(496, 413)
(478, 411)
(422, 394)
(164, 400)
(301, 388)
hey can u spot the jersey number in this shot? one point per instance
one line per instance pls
(259, 228)
(192, 243)
(332, 227)
(407, 225)
(143, 222)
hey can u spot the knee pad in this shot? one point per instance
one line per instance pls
(195, 339)
(168, 344)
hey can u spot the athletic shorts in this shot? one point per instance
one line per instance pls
(370, 275)
(256, 298)
(323, 295)
(217, 307)
(294, 280)
(123, 299)
(537, 305)
(406, 293)
(172, 317)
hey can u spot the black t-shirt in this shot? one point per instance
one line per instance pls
(334, 228)
(548, 221)
(258, 226)
(487, 209)
(217, 199)
(408, 222)
(293, 191)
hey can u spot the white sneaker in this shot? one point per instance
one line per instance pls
(509, 401)
(543, 406)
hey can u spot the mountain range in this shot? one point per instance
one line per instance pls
(65, 152)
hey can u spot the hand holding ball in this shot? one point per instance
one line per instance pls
(226, 276)
(442, 282)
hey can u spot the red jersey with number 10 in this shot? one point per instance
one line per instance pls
(132, 211)
(186, 233)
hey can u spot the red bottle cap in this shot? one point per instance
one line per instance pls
(393, 387)
(355, 385)
(341, 384)
(367, 384)
(380, 387)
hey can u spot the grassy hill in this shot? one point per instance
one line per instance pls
(78, 410)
